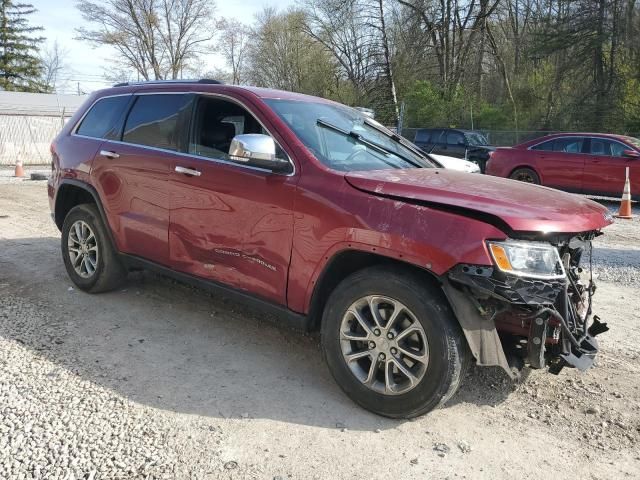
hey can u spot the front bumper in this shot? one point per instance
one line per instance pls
(540, 323)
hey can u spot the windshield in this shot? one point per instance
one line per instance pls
(475, 139)
(344, 139)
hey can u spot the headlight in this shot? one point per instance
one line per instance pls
(527, 259)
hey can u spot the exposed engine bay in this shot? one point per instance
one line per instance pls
(540, 322)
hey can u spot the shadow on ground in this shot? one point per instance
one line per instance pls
(169, 346)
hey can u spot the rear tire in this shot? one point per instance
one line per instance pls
(433, 351)
(525, 175)
(91, 261)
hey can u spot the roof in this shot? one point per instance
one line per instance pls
(208, 86)
(39, 104)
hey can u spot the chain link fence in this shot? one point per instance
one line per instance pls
(27, 138)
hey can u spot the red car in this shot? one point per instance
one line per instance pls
(588, 163)
(309, 209)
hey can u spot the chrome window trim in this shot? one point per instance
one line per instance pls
(192, 155)
(559, 138)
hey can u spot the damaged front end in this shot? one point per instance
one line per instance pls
(533, 307)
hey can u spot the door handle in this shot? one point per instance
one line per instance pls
(188, 171)
(109, 154)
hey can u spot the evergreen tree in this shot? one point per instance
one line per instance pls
(20, 66)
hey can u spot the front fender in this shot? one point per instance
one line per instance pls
(433, 240)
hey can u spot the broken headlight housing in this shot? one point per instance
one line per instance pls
(527, 259)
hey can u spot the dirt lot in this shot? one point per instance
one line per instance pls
(159, 380)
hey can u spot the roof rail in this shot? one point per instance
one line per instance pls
(161, 82)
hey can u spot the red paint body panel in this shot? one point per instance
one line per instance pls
(233, 225)
(273, 235)
(332, 216)
(528, 208)
(134, 189)
(573, 172)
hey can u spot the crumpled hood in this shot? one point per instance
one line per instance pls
(523, 207)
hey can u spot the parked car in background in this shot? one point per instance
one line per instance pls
(587, 163)
(467, 144)
(453, 163)
(310, 210)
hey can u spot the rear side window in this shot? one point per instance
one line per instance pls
(160, 121)
(544, 146)
(102, 120)
(568, 145)
(423, 136)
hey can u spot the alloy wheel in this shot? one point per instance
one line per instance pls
(83, 249)
(384, 345)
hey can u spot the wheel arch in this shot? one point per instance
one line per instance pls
(346, 262)
(528, 166)
(73, 192)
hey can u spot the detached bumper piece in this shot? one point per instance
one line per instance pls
(540, 323)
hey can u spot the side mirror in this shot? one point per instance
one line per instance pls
(631, 154)
(257, 150)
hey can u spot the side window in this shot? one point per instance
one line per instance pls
(423, 136)
(216, 123)
(568, 145)
(102, 120)
(159, 120)
(455, 138)
(544, 146)
(438, 136)
(600, 146)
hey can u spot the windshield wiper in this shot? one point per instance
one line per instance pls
(401, 140)
(373, 145)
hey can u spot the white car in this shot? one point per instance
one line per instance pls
(454, 163)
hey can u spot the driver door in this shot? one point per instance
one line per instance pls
(605, 168)
(229, 222)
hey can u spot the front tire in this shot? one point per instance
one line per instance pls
(392, 342)
(90, 259)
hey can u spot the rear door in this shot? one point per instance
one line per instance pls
(605, 168)
(132, 173)
(560, 162)
(438, 142)
(455, 144)
(231, 223)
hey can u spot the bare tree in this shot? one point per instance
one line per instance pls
(283, 56)
(355, 32)
(156, 38)
(234, 46)
(452, 27)
(53, 61)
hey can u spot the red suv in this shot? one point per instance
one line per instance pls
(589, 163)
(308, 208)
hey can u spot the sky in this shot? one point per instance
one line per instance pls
(87, 65)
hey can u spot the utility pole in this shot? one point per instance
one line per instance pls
(471, 115)
(401, 119)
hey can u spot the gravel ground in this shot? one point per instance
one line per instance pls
(159, 380)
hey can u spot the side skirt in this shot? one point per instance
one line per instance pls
(285, 317)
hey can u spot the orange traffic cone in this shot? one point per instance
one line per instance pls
(19, 172)
(625, 204)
